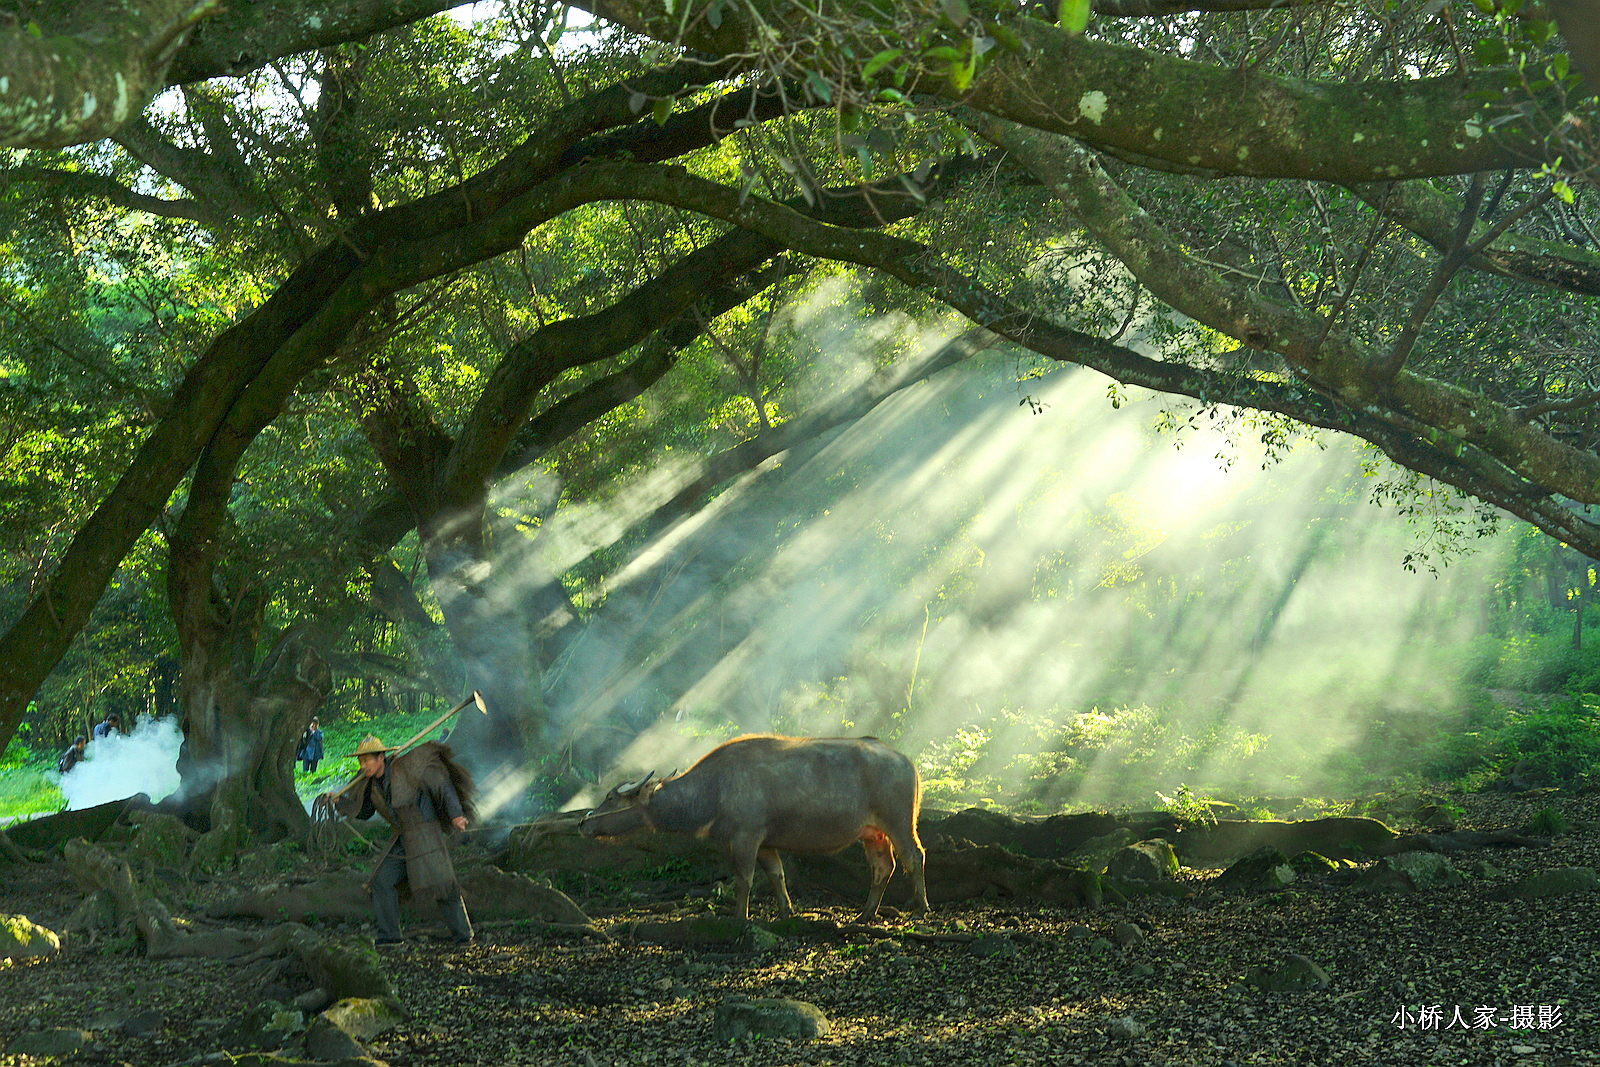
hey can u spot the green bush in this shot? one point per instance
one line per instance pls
(1535, 663)
(1043, 760)
(1558, 743)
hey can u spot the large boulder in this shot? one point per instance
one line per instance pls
(488, 892)
(23, 939)
(364, 1018)
(1266, 868)
(1095, 855)
(1144, 861)
(1409, 872)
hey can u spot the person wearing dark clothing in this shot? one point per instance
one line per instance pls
(310, 751)
(421, 794)
(72, 755)
(111, 724)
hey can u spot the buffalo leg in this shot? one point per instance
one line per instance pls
(909, 849)
(772, 863)
(880, 855)
(742, 858)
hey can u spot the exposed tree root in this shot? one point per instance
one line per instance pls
(343, 968)
(10, 851)
(1458, 841)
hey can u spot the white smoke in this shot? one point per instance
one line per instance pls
(121, 765)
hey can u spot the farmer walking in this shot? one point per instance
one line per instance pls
(422, 794)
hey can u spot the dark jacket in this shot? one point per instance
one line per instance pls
(310, 745)
(69, 758)
(418, 794)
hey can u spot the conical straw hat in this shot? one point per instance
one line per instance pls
(371, 745)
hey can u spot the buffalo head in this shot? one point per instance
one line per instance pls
(623, 811)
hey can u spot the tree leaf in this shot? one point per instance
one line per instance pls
(1073, 15)
(662, 110)
(881, 60)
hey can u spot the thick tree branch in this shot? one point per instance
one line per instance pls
(1156, 110)
(1446, 431)
(74, 75)
(245, 375)
(222, 189)
(83, 183)
(1327, 360)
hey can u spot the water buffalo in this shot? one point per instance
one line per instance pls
(756, 796)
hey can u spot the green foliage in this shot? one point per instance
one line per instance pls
(341, 736)
(15, 756)
(1535, 663)
(1546, 822)
(1052, 758)
(1189, 806)
(1557, 743)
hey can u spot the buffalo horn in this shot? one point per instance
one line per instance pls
(628, 789)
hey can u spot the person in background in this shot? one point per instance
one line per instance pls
(105, 728)
(72, 755)
(310, 751)
(421, 794)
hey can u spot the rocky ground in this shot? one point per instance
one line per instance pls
(1449, 976)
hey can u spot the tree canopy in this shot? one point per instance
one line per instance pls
(367, 269)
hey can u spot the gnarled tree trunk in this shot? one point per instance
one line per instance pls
(242, 719)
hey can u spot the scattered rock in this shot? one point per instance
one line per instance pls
(1265, 868)
(1124, 1028)
(1312, 863)
(326, 1041)
(50, 1043)
(993, 945)
(1555, 883)
(145, 1022)
(363, 1018)
(1128, 935)
(1095, 854)
(23, 939)
(738, 1017)
(1296, 974)
(1144, 861)
(1409, 872)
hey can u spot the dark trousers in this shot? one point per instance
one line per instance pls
(386, 900)
(310, 765)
